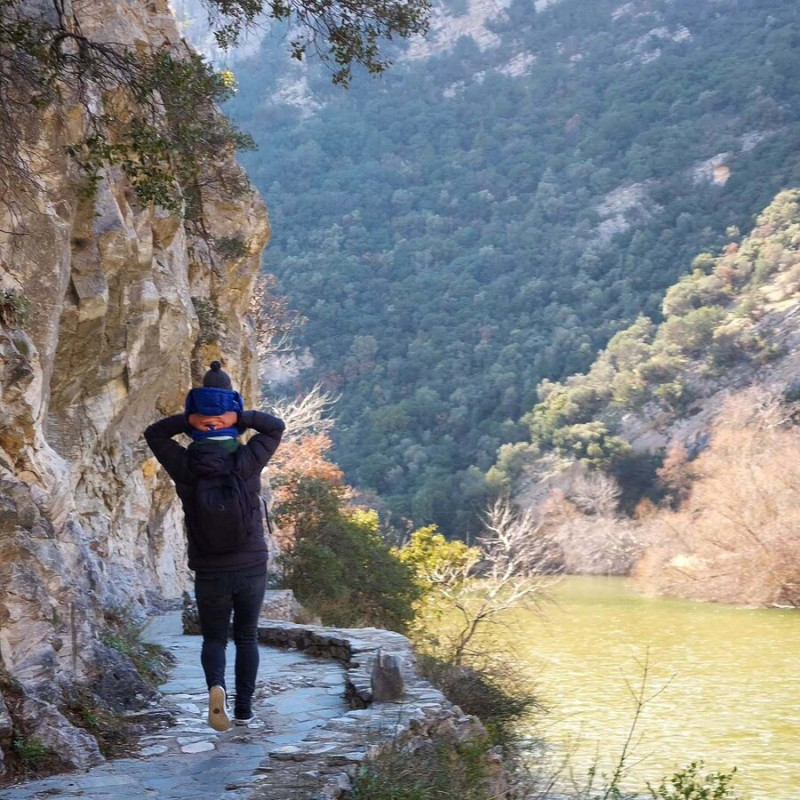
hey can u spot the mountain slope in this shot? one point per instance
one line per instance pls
(729, 325)
(696, 418)
(490, 215)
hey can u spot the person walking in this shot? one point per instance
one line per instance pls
(218, 481)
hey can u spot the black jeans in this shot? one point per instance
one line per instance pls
(218, 594)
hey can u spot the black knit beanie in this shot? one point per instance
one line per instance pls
(216, 377)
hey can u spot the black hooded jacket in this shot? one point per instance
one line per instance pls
(186, 465)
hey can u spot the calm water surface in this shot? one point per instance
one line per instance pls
(730, 680)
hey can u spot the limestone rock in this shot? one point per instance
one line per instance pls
(117, 683)
(281, 604)
(6, 725)
(189, 618)
(88, 520)
(76, 748)
(387, 678)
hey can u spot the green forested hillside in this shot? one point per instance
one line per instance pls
(454, 234)
(675, 456)
(726, 325)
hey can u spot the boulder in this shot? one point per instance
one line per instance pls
(44, 722)
(386, 678)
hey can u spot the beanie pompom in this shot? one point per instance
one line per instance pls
(216, 377)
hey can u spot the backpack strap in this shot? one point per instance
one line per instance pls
(266, 514)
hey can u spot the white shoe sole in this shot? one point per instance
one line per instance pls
(218, 717)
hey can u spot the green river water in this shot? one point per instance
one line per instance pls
(730, 679)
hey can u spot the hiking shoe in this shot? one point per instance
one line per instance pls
(243, 716)
(218, 717)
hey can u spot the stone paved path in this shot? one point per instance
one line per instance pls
(190, 761)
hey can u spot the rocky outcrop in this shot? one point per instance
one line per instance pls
(106, 306)
(6, 731)
(43, 722)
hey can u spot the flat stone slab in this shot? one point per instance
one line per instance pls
(153, 750)
(198, 747)
(299, 701)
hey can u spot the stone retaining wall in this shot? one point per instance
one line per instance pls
(323, 764)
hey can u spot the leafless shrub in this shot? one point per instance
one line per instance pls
(582, 524)
(514, 543)
(676, 474)
(273, 320)
(306, 414)
(737, 538)
(513, 552)
(597, 545)
(595, 493)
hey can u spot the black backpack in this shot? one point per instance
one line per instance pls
(222, 514)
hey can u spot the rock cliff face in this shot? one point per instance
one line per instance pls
(109, 310)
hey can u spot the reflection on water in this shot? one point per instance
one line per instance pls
(730, 680)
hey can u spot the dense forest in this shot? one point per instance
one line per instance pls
(480, 220)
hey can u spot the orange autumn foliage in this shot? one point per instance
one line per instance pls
(298, 459)
(305, 457)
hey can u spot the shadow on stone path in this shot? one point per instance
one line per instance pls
(190, 761)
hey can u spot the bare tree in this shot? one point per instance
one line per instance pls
(581, 523)
(676, 473)
(306, 414)
(735, 539)
(597, 545)
(273, 320)
(513, 555)
(514, 541)
(595, 493)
